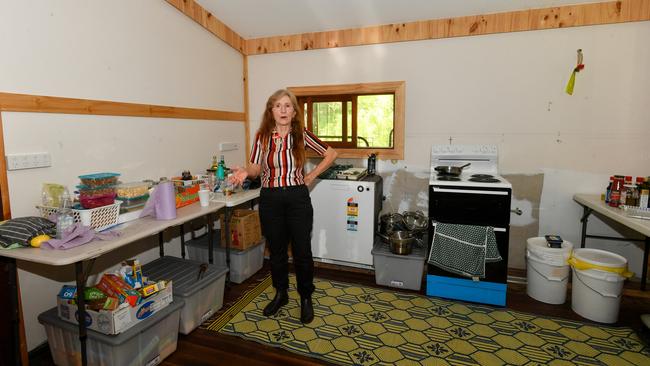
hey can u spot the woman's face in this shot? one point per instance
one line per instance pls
(283, 111)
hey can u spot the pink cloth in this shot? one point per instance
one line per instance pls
(78, 235)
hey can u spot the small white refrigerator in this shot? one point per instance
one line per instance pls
(345, 220)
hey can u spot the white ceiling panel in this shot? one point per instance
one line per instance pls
(265, 18)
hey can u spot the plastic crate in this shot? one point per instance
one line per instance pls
(147, 343)
(243, 263)
(202, 295)
(100, 218)
(396, 270)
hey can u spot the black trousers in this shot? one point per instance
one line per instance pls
(286, 215)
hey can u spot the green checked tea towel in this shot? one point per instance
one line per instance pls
(463, 249)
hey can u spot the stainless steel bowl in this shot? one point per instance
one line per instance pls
(415, 221)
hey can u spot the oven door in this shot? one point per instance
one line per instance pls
(494, 271)
(470, 206)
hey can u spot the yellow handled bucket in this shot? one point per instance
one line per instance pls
(582, 265)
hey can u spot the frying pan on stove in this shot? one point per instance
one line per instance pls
(451, 170)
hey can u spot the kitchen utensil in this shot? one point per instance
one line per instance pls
(390, 222)
(450, 169)
(415, 220)
(400, 242)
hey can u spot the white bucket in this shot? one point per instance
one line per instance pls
(547, 271)
(596, 294)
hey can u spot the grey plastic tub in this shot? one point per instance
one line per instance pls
(243, 263)
(146, 343)
(202, 295)
(395, 270)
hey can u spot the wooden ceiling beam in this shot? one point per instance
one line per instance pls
(213, 25)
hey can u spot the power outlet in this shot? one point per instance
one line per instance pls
(227, 146)
(28, 161)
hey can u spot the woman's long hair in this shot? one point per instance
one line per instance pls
(297, 123)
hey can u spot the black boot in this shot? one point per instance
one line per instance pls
(281, 298)
(306, 310)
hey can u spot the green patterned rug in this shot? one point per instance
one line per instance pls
(356, 325)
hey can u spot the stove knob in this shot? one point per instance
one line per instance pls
(360, 188)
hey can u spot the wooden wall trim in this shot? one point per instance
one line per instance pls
(10, 102)
(197, 13)
(247, 120)
(4, 183)
(515, 21)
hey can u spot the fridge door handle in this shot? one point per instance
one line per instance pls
(469, 191)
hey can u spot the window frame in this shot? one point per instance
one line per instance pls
(391, 87)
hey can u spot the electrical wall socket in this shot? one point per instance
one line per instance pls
(227, 146)
(28, 161)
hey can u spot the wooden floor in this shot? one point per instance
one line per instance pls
(203, 347)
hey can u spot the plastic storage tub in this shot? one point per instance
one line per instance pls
(147, 343)
(395, 270)
(99, 179)
(202, 291)
(243, 263)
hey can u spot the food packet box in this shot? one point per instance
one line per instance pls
(118, 320)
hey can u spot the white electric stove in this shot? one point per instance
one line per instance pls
(479, 196)
(482, 171)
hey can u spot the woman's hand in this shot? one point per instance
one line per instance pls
(309, 179)
(238, 176)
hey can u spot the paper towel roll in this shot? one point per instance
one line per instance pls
(165, 204)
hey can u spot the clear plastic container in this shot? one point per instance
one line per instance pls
(132, 202)
(91, 193)
(132, 190)
(146, 343)
(199, 285)
(99, 179)
(97, 201)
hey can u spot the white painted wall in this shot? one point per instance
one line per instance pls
(121, 50)
(505, 89)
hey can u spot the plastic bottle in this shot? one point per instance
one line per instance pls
(64, 221)
(221, 169)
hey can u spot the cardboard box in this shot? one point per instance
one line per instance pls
(118, 320)
(245, 229)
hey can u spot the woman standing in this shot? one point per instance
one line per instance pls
(286, 213)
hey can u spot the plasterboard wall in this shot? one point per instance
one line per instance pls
(508, 90)
(129, 51)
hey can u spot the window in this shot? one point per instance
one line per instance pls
(356, 119)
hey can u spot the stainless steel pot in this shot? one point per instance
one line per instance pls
(400, 242)
(415, 220)
(390, 222)
(451, 170)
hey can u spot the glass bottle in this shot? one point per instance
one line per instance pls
(608, 190)
(615, 194)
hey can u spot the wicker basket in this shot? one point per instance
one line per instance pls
(100, 218)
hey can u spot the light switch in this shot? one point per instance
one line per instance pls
(28, 161)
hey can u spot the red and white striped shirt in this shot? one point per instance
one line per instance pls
(277, 161)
